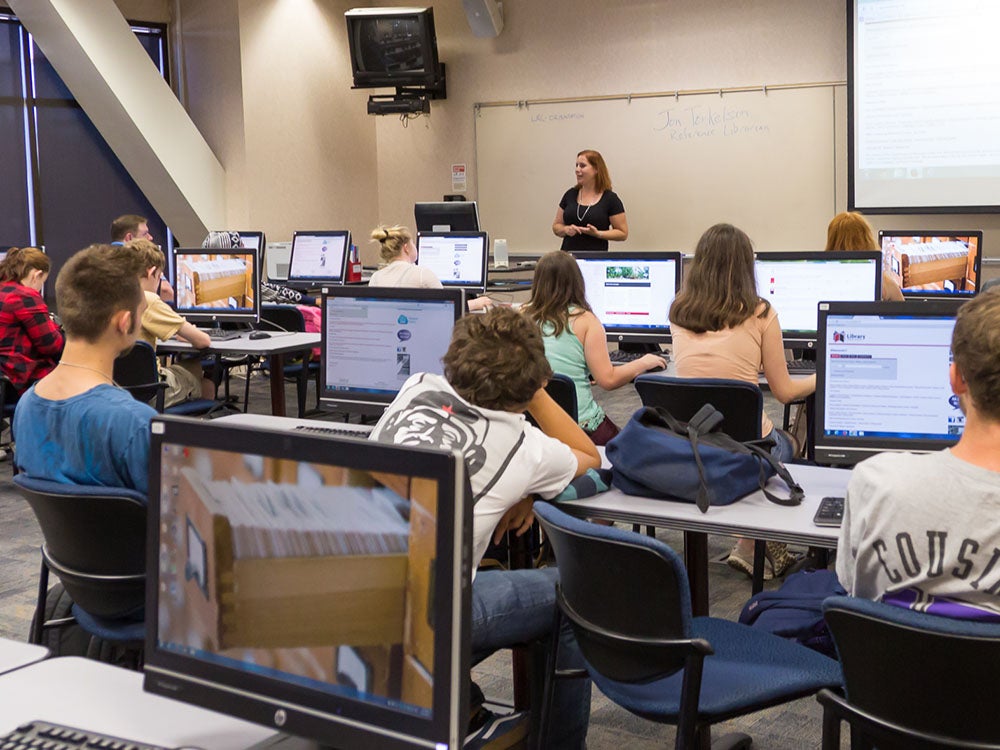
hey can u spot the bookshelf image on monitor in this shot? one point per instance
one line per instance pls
(310, 584)
(212, 286)
(927, 263)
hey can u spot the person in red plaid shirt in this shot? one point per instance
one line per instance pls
(30, 341)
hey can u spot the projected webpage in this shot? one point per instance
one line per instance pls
(317, 256)
(927, 104)
(456, 261)
(888, 377)
(795, 287)
(630, 293)
(374, 345)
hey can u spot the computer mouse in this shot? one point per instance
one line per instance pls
(259, 335)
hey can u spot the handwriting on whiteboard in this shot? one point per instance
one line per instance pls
(539, 117)
(685, 123)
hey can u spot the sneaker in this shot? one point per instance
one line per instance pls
(737, 561)
(780, 558)
(497, 731)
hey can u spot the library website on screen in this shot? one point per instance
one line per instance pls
(376, 344)
(889, 378)
(317, 256)
(795, 287)
(454, 260)
(630, 293)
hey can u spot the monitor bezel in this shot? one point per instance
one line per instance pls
(199, 315)
(426, 210)
(310, 281)
(637, 334)
(432, 72)
(323, 717)
(261, 247)
(359, 401)
(929, 294)
(849, 450)
(472, 286)
(795, 338)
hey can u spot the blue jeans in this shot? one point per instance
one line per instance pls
(518, 606)
(784, 448)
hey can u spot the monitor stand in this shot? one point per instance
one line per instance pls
(641, 348)
(282, 741)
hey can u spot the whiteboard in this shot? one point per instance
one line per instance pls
(764, 161)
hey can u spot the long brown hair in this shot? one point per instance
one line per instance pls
(20, 261)
(720, 286)
(602, 180)
(850, 231)
(557, 285)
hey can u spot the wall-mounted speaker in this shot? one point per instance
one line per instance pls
(485, 17)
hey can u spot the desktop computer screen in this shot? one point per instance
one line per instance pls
(457, 258)
(926, 263)
(373, 339)
(631, 293)
(313, 584)
(212, 286)
(318, 258)
(253, 240)
(446, 216)
(795, 282)
(882, 379)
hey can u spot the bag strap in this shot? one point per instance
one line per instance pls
(795, 491)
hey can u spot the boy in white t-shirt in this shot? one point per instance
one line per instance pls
(495, 370)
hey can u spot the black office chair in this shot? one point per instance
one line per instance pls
(741, 403)
(290, 318)
(626, 597)
(137, 373)
(562, 389)
(95, 544)
(913, 681)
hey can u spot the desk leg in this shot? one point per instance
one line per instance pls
(696, 560)
(277, 384)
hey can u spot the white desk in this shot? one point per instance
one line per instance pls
(15, 654)
(753, 516)
(275, 347)
(89, 695)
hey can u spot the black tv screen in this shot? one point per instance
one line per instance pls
(392, 47)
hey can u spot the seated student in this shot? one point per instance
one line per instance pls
(134, 227)
(849, 230)
(399, 265)
(722, 328)
(271, 293)
(575, 341)
(30, 341)
(159, 322)
(495, 369)
(922, 531)
(75, 425)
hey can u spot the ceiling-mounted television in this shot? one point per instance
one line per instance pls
(393, 47)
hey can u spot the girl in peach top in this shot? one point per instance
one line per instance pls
(722, 328)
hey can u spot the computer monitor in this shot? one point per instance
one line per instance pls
(312, 584)
(795, 282)
(458, 259)
(255, 240)
(933, 264)
(318, 258)
(373, 339)
(882, 379)
(214, 286)
(447, 216)
(631, 293)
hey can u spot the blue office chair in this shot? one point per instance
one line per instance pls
(137, 373)
(95, 544)
(627, 600)
(913, 680)
(741, 403)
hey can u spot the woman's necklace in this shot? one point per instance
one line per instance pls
(589, 206)
(92, 369)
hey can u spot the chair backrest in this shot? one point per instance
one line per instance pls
(562, 389)
(95, 542)
(626, 596)
(741, 403)
(928, 673)
(282, 317)
(137, 372)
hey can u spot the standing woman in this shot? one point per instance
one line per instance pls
(722, 328)
(589, 213)
(851, 231)
(575, 342)
(30, 342)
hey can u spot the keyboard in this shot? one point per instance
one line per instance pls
(830, 512)
(36, 735)
(221, 334)
(801, 366)
(345, 430)
(619, 357)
